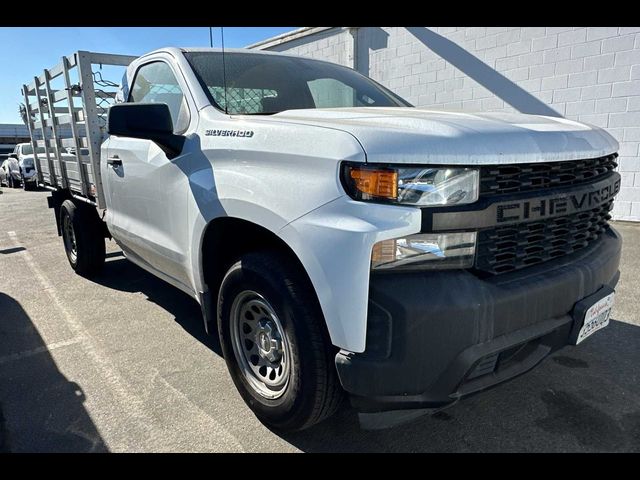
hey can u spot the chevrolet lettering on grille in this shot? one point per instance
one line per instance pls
(577, 199)
(550, 207)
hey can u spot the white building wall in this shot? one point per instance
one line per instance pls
(587, 74)
(333, 45)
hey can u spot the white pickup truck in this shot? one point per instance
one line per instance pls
(337, 238)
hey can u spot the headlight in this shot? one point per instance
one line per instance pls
(425, 251)
(420, 186)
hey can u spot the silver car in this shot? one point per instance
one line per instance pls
(10, 173)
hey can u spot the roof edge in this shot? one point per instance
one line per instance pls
(287, 37)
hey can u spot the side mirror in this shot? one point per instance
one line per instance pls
(149, 121)
(13, 155)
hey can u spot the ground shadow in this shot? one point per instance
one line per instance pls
(121, 274)
(482, 73)
(40, 409)
(8, 251)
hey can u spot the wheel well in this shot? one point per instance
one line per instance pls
(228, 238)
(55, 202)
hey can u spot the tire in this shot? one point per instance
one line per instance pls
(311, 390)
(83, 238)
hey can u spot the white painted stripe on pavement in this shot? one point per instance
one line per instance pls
(35, 351)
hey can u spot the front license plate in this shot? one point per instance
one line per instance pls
(596, 317)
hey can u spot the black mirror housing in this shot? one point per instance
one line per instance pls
(13, 155)
(148, 121)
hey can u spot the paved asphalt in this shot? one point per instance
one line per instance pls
(121, 363)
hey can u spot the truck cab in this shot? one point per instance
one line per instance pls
(340, 240)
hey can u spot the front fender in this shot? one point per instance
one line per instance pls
(233, 208)
(334, 245)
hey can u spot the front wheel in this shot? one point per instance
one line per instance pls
(275, 344)
(83, 238)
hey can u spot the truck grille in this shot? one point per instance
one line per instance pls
(509, 248)
(500, 179)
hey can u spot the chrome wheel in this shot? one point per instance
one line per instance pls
(69, 238)
(260, 345)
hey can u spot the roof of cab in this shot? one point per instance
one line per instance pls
(178, 50)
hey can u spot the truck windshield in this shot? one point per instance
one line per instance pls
(266, 84)
(28, 150)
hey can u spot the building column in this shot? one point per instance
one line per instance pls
(352, 54)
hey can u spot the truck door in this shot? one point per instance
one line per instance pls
(147, 192)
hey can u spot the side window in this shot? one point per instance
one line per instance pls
(155, 83)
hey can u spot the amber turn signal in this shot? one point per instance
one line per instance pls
(375, 182)
(383, 252)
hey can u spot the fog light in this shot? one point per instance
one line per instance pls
(425, 251)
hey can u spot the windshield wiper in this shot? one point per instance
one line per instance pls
(256, 113)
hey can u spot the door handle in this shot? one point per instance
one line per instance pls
(114, 161)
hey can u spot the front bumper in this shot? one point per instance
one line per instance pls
(435, 337)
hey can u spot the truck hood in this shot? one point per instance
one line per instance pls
(413, 135)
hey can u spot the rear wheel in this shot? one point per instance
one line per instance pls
(274, 342)
(83, 238)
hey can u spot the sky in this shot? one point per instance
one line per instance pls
(26, 51)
